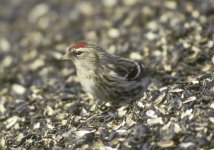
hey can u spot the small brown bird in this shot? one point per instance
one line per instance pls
(105, 76)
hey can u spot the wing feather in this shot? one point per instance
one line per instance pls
(128, 69)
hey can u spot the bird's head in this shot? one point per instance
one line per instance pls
(83, 53)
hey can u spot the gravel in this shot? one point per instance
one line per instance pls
(43, 106)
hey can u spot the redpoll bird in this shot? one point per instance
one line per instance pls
(105, 76)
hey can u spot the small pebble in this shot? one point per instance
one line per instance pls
(2, 108)
(151, 113)
(86, 8)
(19, 89)
(188, 113)
(19, 137)
(129, 2)
(36, 64)
(49, 126)
(135, 56)
(212, 105)
(122, 111)
(151, 36)
(7, 61)
(36, 126)
(10, 122)
(81, 133)
(113, 33)
(2, 142)
(166, 144)
(4, 45)
(38, 11)
(109, 3)
(155, 121)
(186, 145)
(210, 44)
(211, 119)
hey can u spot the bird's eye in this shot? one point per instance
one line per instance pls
(79, 53)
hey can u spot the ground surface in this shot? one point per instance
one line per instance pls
(42, 105)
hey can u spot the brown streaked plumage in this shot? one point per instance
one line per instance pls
(107, 77)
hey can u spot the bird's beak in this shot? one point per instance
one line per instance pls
(66, 56)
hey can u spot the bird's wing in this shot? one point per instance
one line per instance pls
(129, 70)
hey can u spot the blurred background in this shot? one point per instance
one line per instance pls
(176, 37)
(167, 35)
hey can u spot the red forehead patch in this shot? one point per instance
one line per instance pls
(79, 44)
